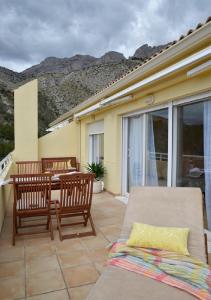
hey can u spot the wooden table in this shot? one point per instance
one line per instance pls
(55, 180)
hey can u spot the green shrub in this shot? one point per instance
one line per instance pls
(96, 168)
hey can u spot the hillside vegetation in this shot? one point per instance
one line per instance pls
(63, 83)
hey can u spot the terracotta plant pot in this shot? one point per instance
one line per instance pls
(97, 186)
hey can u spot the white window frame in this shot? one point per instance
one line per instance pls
(172, 136)
(91, 142)
(94, 128)
(124, 160)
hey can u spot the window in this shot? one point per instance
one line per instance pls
(96, 142)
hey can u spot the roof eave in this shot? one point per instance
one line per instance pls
(197, 37)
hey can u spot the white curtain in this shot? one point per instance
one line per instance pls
(135, 164)
(152, 176)
(207, 159)
(96, 148)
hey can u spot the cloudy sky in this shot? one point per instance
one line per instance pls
(31, 30)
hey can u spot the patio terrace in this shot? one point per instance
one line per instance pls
(40, 269)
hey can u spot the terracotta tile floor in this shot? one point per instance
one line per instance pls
(40, 269)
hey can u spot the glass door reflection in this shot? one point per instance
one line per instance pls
(157, 148)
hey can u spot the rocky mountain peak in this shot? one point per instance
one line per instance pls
(146, 51)
(61, 65)
(111, 56)
(50, 60)
(9, 78)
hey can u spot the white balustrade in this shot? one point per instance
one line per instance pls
(5, 162)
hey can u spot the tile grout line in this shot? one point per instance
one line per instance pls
(90, 263)
(109, 242)
(25, 267)
(92, 260)
(62, 274)
(45, 293)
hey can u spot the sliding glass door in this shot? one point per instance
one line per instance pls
(207, 159)
(170, 146)
(135, 152)
(157, 148)
(193, 149)
(190, 145)
(147, 149)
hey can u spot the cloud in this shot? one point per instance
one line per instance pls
(32, 30)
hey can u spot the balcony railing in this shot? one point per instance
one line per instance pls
(158, 156)
(5, 162)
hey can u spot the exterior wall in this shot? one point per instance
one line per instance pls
(5, 192)
(112, 147)
(72, 140)
(26, 121)
(180, 87)
(61, 142)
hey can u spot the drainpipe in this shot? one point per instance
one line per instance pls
(80, 142)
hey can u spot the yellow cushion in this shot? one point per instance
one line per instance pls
(163, 238)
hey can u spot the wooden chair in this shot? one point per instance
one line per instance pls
(58, 165)
(75, 201)
(32, 198)
(29, 167)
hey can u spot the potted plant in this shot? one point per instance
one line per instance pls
(99, 171)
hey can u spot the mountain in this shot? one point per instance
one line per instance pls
(63, 83)
(145, 51)
(61, 65)
(74, 63)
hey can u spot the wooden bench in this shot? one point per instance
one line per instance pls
(56, 165)
(29, 167)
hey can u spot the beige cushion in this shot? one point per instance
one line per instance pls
(178, 207)
(118, 284)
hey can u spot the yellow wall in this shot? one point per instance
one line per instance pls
(61, 142)
(26, 121)
(113, 116)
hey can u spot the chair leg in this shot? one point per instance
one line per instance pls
(50, 227)
(92, 224)
(48, 222)
(19, 221)
(58, 217)
(14, 229)
(59, 222)
(16, 224)
(86, 218)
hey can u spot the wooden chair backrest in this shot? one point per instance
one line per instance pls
(76, 191)
(32, 191)
(58, 164)
(29, 167)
